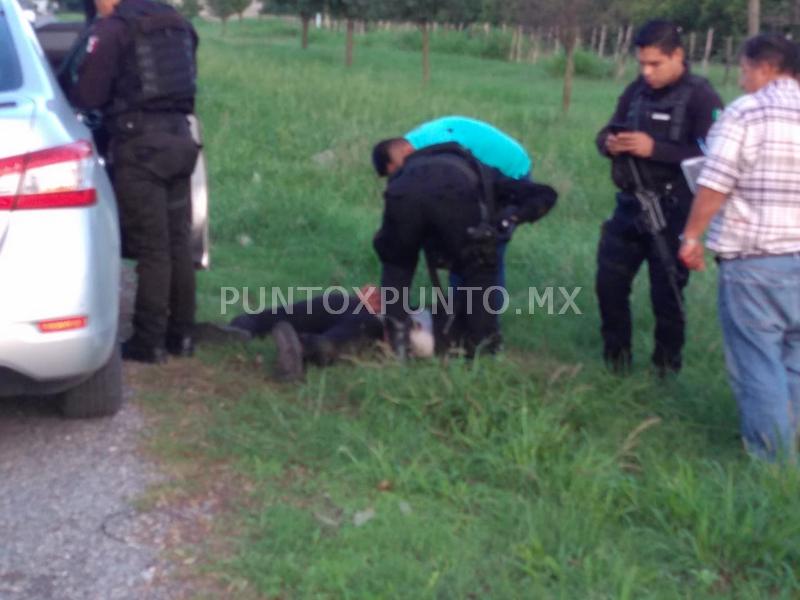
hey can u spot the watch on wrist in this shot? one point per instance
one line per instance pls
(689, 241)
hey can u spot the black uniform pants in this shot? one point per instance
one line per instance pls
(474, 324)
(339, 319)
(622, 250)
(469, 320)
(151, 170)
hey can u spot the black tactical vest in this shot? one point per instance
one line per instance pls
(158, 72)
(664, 118)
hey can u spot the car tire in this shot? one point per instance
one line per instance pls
(98, 396)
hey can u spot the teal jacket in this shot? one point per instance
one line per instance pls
(487, 143)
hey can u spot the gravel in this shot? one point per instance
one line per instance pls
(69, 528)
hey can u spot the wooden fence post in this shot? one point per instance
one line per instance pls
(623, 55)
(601, 45)
(620, 41)
(533, 55)
(709, 46)
(753, 17)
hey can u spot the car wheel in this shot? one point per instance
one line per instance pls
(98, 396)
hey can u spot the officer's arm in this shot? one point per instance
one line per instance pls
(523, 199)
(700, 114)
(620, 116)
(398, 241)
(395, 245)
(397, 270)
(98, 71)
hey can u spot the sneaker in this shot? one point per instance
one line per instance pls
(289, 365)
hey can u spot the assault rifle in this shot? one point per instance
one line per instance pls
(654, 224)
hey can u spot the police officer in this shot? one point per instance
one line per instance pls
(661, 119)
(446, 202)
(139, 70)
(486, 142)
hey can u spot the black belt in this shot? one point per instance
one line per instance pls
(135, 123)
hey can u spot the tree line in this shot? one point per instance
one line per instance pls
(603, 26)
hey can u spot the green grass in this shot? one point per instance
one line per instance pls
(531, 475)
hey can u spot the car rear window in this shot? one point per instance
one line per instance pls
(10, 73)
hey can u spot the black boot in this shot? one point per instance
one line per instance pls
(618, 360)
(666, 362)
(318, 350)
(134, 350)
(180, 345)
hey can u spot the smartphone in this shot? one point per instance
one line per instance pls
(616, 128)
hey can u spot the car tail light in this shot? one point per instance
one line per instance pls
(63, 324)
(57, 177)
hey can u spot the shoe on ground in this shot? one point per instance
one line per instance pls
(137, 352)
(619, 362)
(318, 350)
(665, 364)
(180, 345)
(289, 365)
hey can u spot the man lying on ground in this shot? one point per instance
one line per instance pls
(321, 329)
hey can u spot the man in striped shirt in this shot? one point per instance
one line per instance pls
(749, 193)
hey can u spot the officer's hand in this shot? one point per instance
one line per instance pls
(691, 254)
(637, 143)
(613, 144)
(506, 223)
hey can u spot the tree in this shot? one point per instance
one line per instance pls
(190, 8)
(222, 9)
(569, 17)
(753, 17)
(727, 17)
(350, 10)
(305, 8)
(423, 13)
(239, 6)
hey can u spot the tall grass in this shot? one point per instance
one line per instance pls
(530, 475)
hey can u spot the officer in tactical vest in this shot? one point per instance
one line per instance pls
(139, 70)
(452, 206)
(661, 119)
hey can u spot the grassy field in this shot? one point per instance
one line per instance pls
(531, 475)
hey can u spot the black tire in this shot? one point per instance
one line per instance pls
(98, 396)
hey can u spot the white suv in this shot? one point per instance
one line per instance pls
(59, 239)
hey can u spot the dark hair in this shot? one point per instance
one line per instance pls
(380, 155)
(774, 50)
(663, 35)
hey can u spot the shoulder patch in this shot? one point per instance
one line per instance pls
(91, 44)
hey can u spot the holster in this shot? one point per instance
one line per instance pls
(481, 247)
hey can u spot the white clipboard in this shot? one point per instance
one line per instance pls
(691, 168)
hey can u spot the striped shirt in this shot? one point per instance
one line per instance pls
(754, 159)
